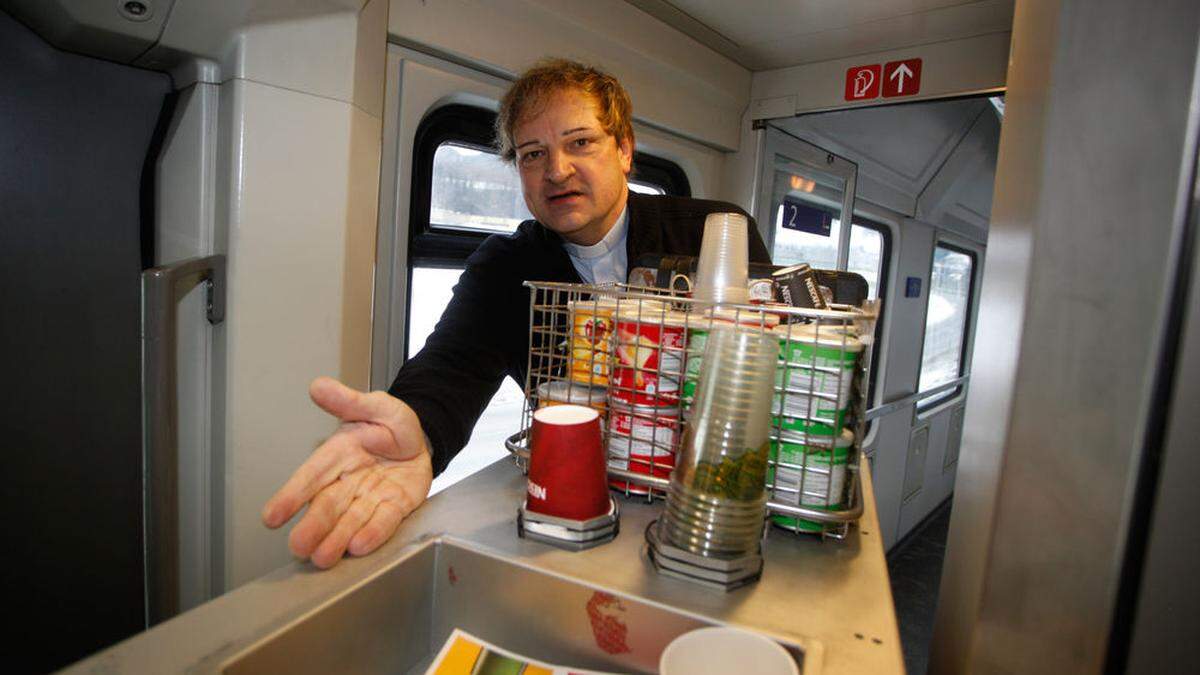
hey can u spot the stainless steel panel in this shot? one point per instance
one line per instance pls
(830, 599)
(1087, 198)
(397, 621)
(381, 625)
(1164, 617)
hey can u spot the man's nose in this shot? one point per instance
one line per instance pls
(560, 167)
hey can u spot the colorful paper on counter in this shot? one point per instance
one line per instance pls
(465, 654)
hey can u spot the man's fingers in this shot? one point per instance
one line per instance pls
(339, 454)
(351, 405)
(358, 514)
(330, 551)
(322, 516)
(379, 528)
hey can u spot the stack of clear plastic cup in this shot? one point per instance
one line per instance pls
(717, 502)
(722, 273)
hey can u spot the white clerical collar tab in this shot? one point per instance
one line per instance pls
(614, 239)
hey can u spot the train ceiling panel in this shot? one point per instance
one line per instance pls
(919, 159)
(768, 34)
(117, 31)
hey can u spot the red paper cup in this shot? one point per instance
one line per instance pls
(567, 478)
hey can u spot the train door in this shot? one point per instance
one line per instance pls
(914, 182)
(805, 194)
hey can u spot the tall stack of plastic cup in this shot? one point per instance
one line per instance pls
(717, 502)
(722, 273)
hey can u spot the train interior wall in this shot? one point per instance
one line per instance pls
(299, 170)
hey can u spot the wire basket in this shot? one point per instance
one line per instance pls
(634, 354)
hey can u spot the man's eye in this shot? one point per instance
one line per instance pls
(582, 142)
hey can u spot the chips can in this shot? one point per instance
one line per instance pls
(592, 325)
(649, 352)
(642, 439)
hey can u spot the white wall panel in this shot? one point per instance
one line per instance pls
(287, 238)
(297, 196)
(675, 82)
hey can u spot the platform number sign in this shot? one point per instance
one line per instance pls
(806, 218)
(889, 80)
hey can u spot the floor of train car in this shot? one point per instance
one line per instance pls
(915, 568)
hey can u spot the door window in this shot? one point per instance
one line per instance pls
(950, 286)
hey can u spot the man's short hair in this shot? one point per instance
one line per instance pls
(528, 96)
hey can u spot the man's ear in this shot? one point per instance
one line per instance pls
(625, 150)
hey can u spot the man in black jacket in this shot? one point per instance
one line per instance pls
(568, 128)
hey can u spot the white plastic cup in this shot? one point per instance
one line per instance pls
(709, 651)
(715, 506)
(722, 273)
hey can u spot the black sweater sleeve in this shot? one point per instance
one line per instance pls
(474, 345)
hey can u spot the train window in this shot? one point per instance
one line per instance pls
(474, 191)
(950, 290)
(866, 255)
(462, 192)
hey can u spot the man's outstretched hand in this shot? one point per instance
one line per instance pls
(361, 482)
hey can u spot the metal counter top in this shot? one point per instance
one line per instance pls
(830, 597)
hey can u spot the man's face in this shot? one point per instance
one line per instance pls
(572, 171)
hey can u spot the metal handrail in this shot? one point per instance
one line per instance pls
(893, 406)
(160, 422)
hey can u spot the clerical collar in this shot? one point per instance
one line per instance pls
(614, 239)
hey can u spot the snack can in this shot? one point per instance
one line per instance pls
(561, 392)
(815, 376)
(642, 439)
(592, 327)
(810, 471)
(649, 352)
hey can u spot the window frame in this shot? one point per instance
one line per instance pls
(924, 405)
(465, 125)
(885, 274)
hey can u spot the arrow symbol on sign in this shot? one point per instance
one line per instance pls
(899, 74)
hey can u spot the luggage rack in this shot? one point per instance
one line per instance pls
(633, 353)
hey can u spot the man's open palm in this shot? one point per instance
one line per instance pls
(361, 482)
